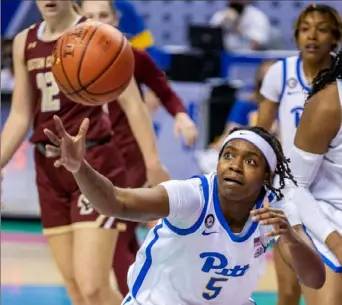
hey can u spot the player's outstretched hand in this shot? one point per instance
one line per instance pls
(276, 218)
(71, 150)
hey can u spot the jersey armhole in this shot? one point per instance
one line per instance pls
(194, 227)
(284, 64)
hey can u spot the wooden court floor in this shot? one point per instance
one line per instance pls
(29, 276)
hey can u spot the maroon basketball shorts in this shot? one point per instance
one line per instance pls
(63, 207)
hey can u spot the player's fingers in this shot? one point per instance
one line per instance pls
(266, 203)
(264, 210)
(59, 127)
(276, 233)
(267, 215)
(272, 221)
(52, 137)
(83, 128)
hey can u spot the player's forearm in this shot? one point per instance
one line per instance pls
(267, 113)
(129, 204)
(98, 190)
(142, 128)
(12, 136)
(307, 264)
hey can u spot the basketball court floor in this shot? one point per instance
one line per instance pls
(29, 276)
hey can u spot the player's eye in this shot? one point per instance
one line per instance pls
(251, 162)
(227, 156)
(323, 30)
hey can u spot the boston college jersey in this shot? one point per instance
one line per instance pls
(285, 83)
(49, 100)
(192, 257)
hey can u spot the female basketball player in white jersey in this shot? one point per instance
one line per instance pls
(81, 240)
(209, 246)
(317, 164)
(285, 87)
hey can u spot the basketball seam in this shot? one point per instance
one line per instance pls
(84, 87)
(65, 74)
(107, 92)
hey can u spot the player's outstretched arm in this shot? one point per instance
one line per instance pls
(306, 261)
(143, 204)
(133, 204)
(319, 124)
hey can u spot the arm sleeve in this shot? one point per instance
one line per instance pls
(274, 82)
(186, 201)
(304, 168)
(152, 77)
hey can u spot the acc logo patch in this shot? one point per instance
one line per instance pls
(209, 221)
(292, 83)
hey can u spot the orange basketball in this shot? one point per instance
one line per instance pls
(93, 63)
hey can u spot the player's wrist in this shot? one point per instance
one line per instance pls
(291, 238)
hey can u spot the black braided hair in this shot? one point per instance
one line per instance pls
(327, 76)
(282, 169)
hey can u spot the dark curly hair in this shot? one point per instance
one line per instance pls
(282, 169)
(327, 76)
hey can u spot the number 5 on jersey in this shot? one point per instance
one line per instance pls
(212, 288)
(49, 90)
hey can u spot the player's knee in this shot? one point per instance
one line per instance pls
(74, 292)
(288, 295)
(94, 292)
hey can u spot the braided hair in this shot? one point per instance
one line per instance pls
(327, 76)
(282, 169)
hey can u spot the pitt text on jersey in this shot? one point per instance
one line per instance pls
(216, 265)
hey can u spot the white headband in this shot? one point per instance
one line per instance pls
(258, 141)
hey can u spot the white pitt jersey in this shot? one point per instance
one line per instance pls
(327, 185)
(192, 257)
(285, 83)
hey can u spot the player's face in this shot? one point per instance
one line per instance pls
(53, 8)
(241, 170)
(99, 11)
(315, 36)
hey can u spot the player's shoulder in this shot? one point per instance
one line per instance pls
(20, 41)
(325, 103)
(276, 69)
(21, 36)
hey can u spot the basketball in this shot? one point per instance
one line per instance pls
(92, 63)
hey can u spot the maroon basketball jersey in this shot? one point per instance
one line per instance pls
(49, 100)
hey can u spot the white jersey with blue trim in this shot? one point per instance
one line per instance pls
(192, 257)
(327, 185)
(286, 84)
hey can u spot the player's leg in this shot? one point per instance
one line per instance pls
(61, 245)
(93, 255)
(331, 292)
(55, 215)
(94, 235)
(289, 290)
(127, 245)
